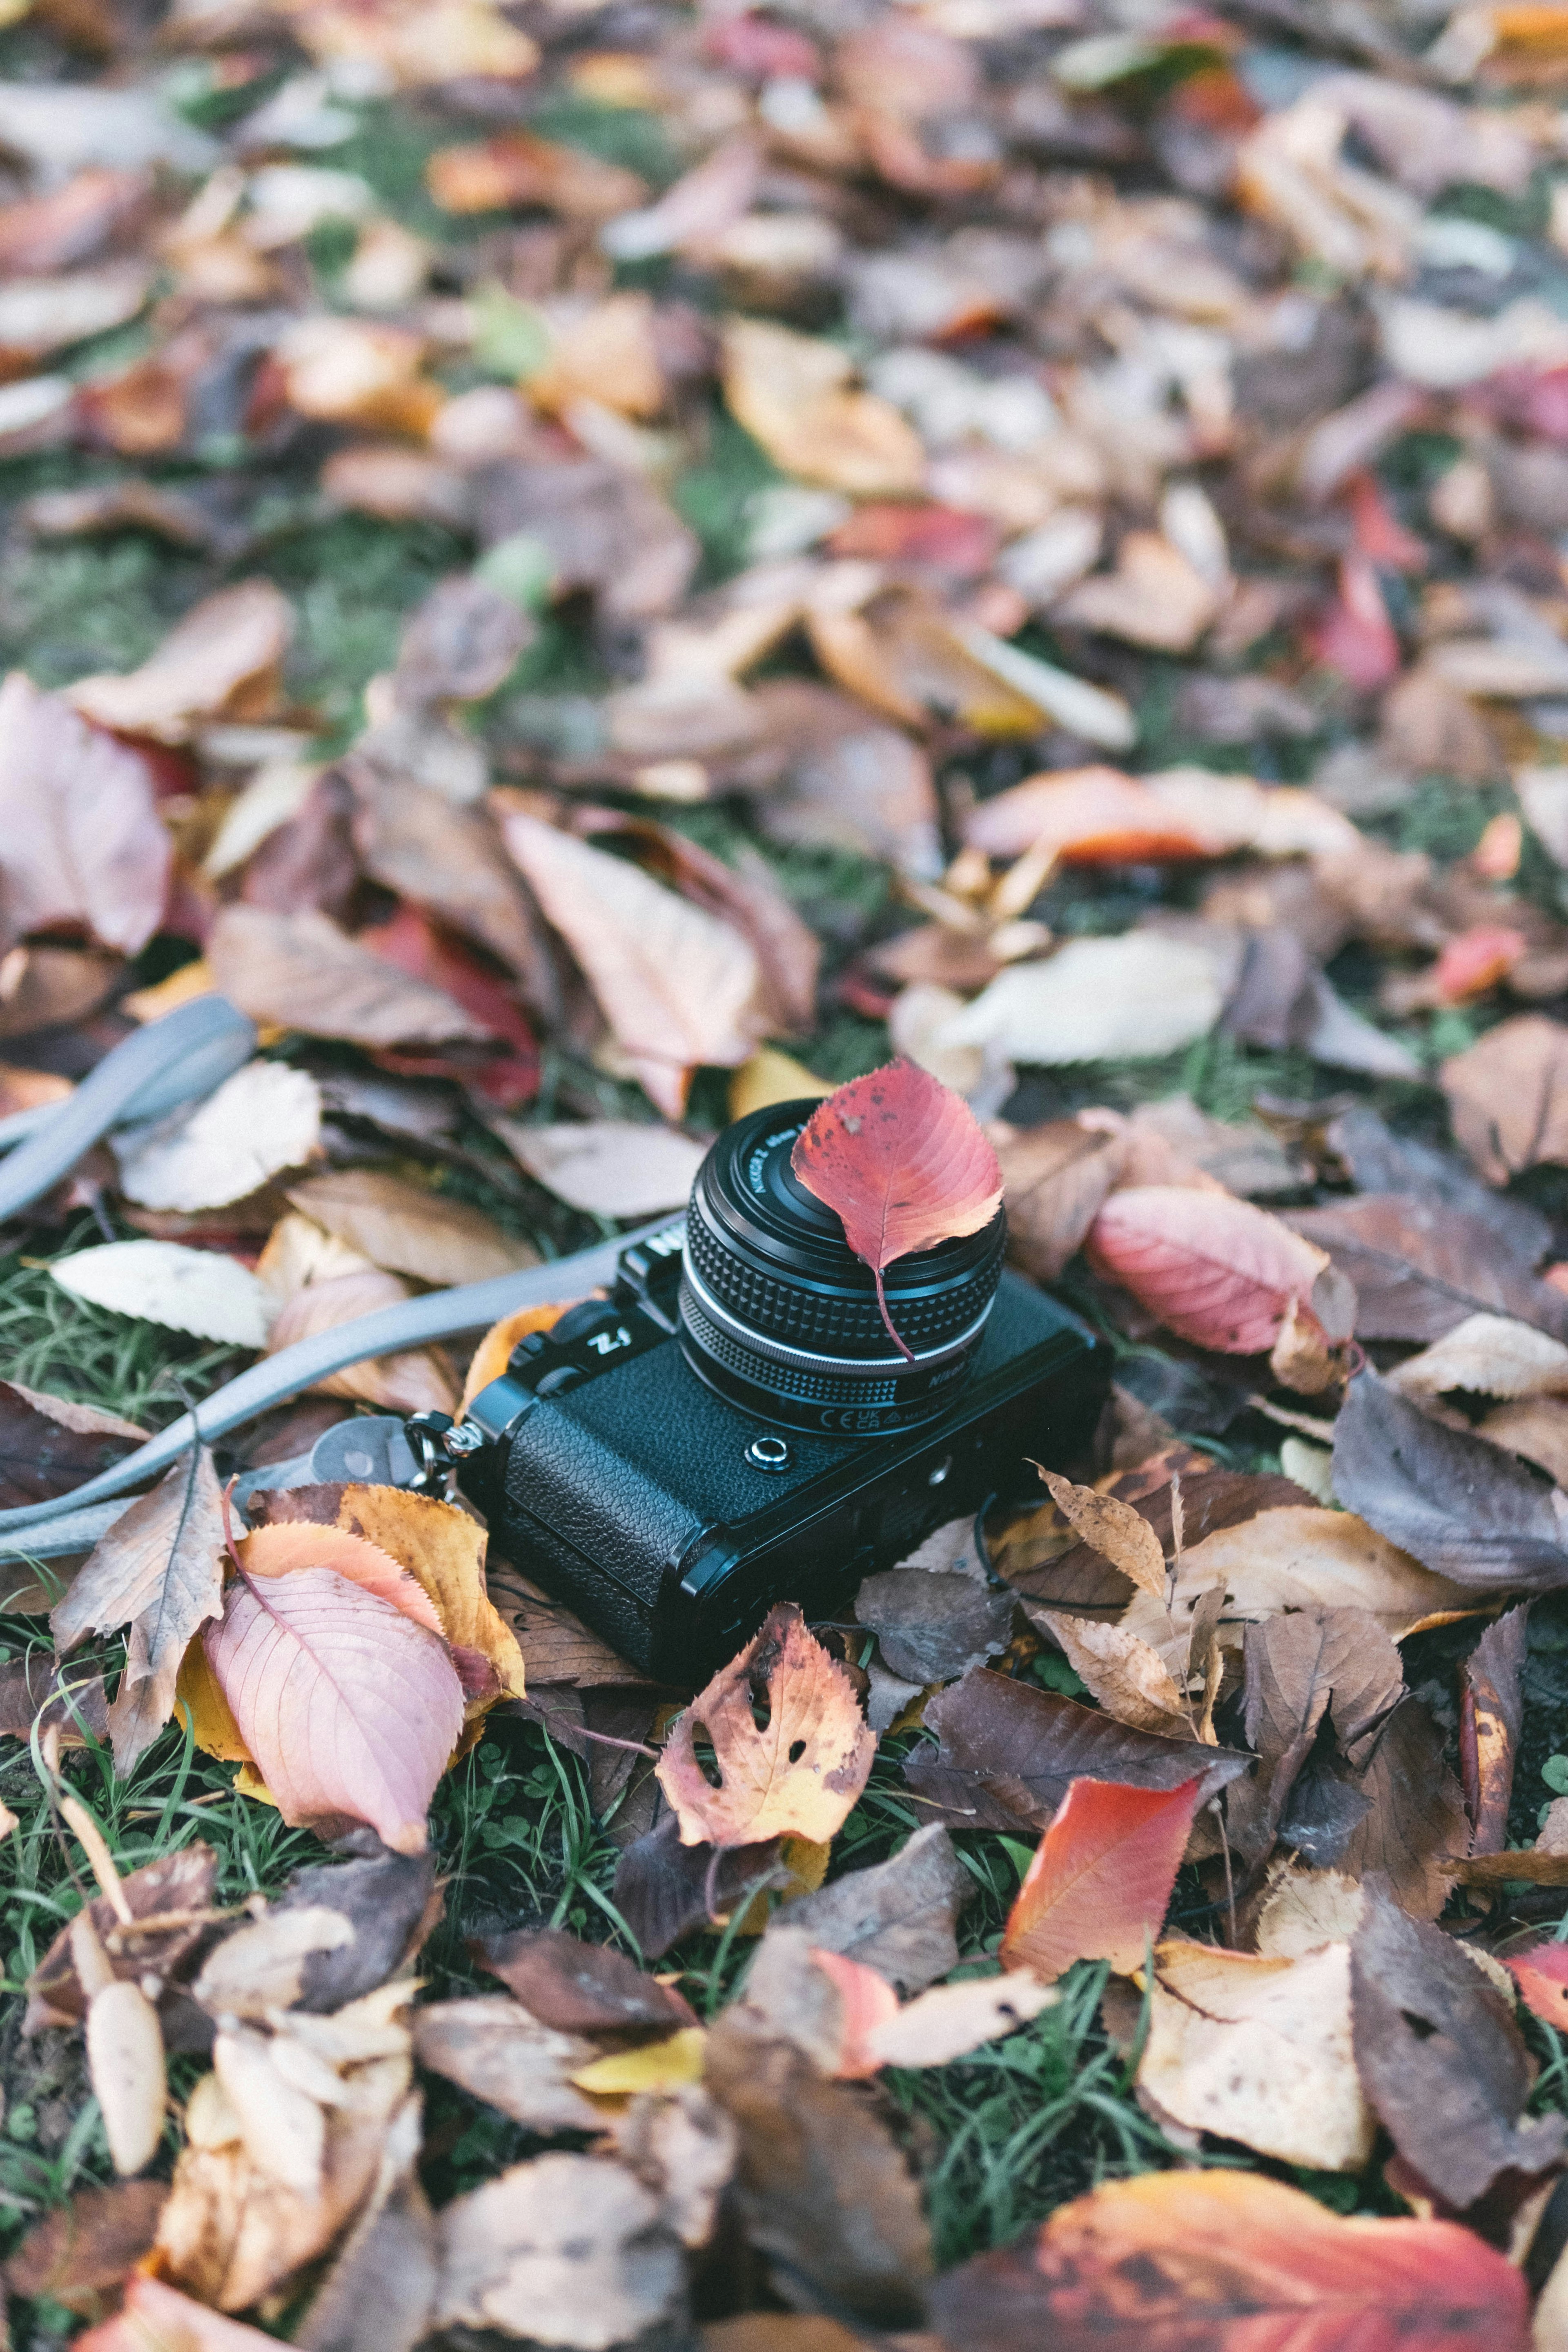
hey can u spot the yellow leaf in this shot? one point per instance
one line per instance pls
(771, 1076)
(213, 1727)
(444, 1548)
(656, 2066)
(493, 1353)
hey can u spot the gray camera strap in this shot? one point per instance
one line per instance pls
(176, 1060)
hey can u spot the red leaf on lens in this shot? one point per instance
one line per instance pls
(901, 1160)
(1100, 1882)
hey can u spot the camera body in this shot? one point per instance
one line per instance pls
(670, 1461)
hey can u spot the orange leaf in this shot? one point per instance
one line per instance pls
(1215, 1270)
(869, 2000)
(1089, 816)
(799, 1773)
(1540, 1973)
(153, 2314)
(295, 1543)
(902, 1160)
(1232, 2262)
(493, 1353)
(1101, 1877)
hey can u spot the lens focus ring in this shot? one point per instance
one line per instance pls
(802, 1317)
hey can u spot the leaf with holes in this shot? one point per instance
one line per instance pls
(901, 1159)
(793, 1773)
(346, 1705)
(1101, 1877)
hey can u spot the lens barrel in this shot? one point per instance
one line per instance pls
(780, 1316)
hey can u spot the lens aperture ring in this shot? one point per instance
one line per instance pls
(695, 1294)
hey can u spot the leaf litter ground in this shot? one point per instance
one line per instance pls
(1391, 518)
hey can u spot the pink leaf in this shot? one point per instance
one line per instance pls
(901, 1159)
(346, 1705)
(1215, 1270)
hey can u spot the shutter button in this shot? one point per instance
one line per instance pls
(769, 1454)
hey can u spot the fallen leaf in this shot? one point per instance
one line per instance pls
(288, 1544)
(668, 2065)
(413, 1380)
(897, 1916)
(1312, 1664)
(793, 393)
(930, 1628)
(1055, 1180)
(1214, 1270)
(901, 1160)
(1114, 1528)
(677, 985)
(380, 2289)
(665, 1887)
(1130, 1679)
(1541, 1972)
(82, 2254)
(1100, 1881)
(1257, 2049)
(302, 972)
(1009, 1754)
(1462, 1508)
(443, 1547)
(266, 1117)
(1154, 597)
(409, 1229)
(1139, 997)
(796, 1777)
(222, 660)
(50, 1445)
(159, 1571)
(177, 1888)
(578, 1988)
(607, 1166)
(1420, 1268)
(1489, 1355)
(154, 2313)
(518, 168)
(1504, 1093)
(495, 2051)
(825, 2191)
(823, 2003)
(494, 1353)
(1492, 1718)
(1414, 1819)
(347, 1706)
(1173, 2260)
(1441, 2058)
(83, 842)
(568, 2250)
(949, 2020)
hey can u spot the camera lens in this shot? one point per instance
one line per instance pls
(780, 1316)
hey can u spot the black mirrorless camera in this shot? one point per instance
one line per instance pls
(732, 1427)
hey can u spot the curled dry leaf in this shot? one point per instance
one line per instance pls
(1216, 1271)
(159, 1571)
(1100, 1881)
(347, 1706)
(1491, 1718)
(902, 1162)
(1180, 2259)
(1129, 1678)
(1114, 1529)
(798, 1776)
(677, 985)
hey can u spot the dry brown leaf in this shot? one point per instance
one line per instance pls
(221, 661)
(1507, 1096)
(158, 1571)
(414, 1379)
(1490, 1355)
(1131, 1679)
(300, 971)
(1114, 1528)
(677, 985)
(1154, 597)
(793, 392)
(406, 1229)
(609, 1167)
(1258, 2049)
(495, 2051)
(568, 2250)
